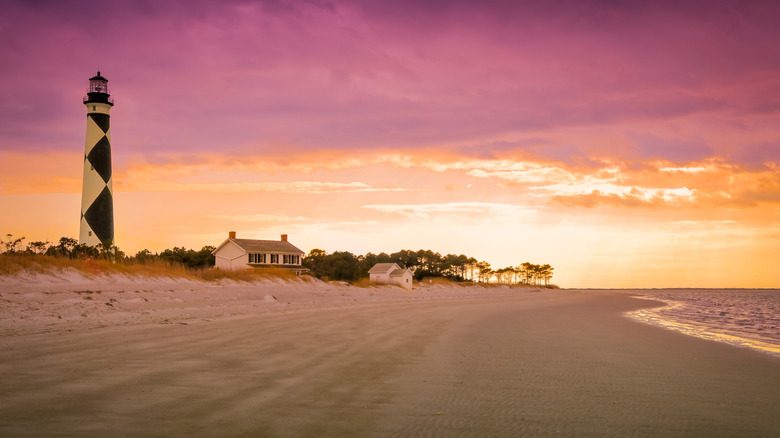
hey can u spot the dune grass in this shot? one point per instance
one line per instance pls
(365, 282)
(247, 275)
(12, 264)
(440, 281)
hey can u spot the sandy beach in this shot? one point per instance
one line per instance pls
(135, 357)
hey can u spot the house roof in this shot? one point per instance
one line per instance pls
(268, 246)
(383, 268)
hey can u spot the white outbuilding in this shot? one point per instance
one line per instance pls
(391, 273)
(234, 254)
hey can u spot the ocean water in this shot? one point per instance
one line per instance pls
(742, 317)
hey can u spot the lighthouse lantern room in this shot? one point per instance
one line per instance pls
(98, 90)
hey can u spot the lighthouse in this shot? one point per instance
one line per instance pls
(97, 194)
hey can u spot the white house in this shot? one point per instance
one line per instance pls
(390, 273)
(234, 254)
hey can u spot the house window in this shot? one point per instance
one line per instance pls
(292, 259)
(256, 258)
(275, 258)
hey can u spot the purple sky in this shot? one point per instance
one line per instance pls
(386, 75)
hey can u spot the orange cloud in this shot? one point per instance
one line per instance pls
(478, 209)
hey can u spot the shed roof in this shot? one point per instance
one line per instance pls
(399, 272)
(383, 268)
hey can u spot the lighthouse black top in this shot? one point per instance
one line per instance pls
(98, 91)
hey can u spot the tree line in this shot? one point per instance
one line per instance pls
(70, 248)
(339, 265)
(345, 266)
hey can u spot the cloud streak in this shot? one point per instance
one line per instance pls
(293, 187)
(458, 209)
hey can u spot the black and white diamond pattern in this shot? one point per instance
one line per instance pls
(97, 198)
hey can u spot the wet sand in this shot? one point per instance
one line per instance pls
(555, 363)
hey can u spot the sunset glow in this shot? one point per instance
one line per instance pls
(632, 145)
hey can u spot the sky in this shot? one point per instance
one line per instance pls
(627, 144)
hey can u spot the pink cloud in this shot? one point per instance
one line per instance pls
(257, 77)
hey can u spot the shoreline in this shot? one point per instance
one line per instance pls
(652, 317)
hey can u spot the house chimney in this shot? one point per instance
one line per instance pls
(284, 238)
(231, 234)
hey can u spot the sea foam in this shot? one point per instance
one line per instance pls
(743, 317)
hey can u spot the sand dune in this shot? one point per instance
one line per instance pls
(68, 299)
(141, 357)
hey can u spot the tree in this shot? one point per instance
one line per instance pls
(366, 262)
(405, 259)
(546, 273)
(485, 272)
(203, 258)
(189, 257)
(65, 247)
(515, 273)
(316, 252)
(144, 256)
(429, 264)
(11, 245)
(454, 266)
(83, 250)
(503, 275)
(341, 265)
(528, 273)
(315, 261)
(175, 255)
(109, 251)
(38, 247)
(472, 270)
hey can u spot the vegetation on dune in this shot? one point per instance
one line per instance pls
(42, 257)
(342, 265)
(45, 264)
(69, 248)
(188, 263)
(247, 275)
(12, 263)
